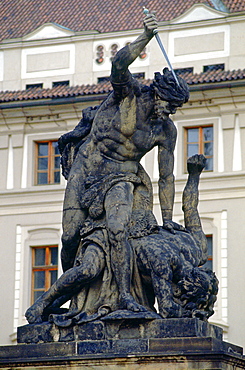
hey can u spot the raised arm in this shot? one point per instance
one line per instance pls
(166, 183)
(124, 57)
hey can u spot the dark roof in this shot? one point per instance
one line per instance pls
(194, 80)
(19, 18)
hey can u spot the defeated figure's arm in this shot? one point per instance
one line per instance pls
(166, 177)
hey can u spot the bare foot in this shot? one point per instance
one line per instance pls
(196, 164)
(34, 313)
(127, 302)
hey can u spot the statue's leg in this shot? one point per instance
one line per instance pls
(164, 294)
(157, 259)
(73, 219)
(195, 165)
(118, 207)
(73, 279)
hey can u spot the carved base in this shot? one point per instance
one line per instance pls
(117, 327)
(128, 342)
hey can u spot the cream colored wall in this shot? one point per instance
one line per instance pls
(11, 69)
(237, 31)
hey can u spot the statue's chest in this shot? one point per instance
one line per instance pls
(127, 116)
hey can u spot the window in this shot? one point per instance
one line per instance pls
(180, 71)
(100, 54)
(209, 263)
(61, 83)
(47, 163)
(32, 86)
(139, 75)
(44, 269)
(213, 67)
(114, 49)
(103, 79)
(199, 140)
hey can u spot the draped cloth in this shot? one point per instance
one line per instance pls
(101, 297)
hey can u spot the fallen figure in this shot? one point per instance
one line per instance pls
(166, 267)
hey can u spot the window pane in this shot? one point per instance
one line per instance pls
(42, 163)
(37, 294)
(57, 162)
(43, 149)
(57, 177)
(208, 148)
(208, 133)
(53, 276)
(54, 256)
(192, 149)
(209, 164)
(39, 259)
(42, 178)
(55, 147)
(192, 135)
(39, 279)
(210, 245)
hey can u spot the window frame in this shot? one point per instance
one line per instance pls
(50, 171)
(210, 257)
(181, 123)
(47, 268)
(200, 143)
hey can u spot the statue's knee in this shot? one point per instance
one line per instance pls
(116, 231)
(87, 272)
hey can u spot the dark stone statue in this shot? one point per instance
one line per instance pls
(116, 258)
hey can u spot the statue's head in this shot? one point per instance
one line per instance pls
(167, 90)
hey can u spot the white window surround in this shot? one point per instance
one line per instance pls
(218, 227)
(28, 166)
(10, 173)
(218, 157)
(237, 149)
(195, 32)
(45, 50)
(215, 224)
(27, 237)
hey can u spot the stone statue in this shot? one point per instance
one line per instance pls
(166, 266)
(115, 257)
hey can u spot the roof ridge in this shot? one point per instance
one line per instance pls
(20, 18)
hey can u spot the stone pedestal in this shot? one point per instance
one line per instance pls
(123, 344)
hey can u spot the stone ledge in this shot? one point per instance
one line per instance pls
(126, 328)
(123, 347)
(135, 354)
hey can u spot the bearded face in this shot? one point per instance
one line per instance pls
(167, 90)
(164, 108)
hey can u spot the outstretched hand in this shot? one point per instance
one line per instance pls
(172, 226)
(150, 23)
